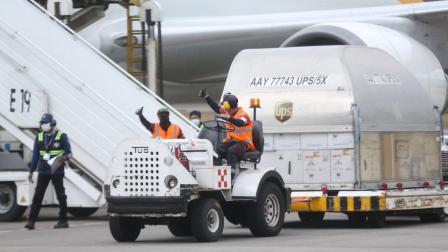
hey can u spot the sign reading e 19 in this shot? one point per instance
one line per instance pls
(19, 100)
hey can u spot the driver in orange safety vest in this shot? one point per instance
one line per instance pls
(164, 128)
(238, 141)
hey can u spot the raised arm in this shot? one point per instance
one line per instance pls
(148, 125)
(213, 104)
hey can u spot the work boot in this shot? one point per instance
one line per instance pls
(29, 225)
(61, 224)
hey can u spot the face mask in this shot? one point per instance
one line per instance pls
(196, 121)
(46, 127)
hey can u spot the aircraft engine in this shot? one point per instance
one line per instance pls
(418, 59)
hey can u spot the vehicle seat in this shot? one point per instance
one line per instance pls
(258, 140)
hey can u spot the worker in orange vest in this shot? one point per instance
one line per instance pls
(238, 141)
(164, 128)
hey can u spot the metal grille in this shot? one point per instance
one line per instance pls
(141, 173)
(445, 163)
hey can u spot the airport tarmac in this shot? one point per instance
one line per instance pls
(92, 234)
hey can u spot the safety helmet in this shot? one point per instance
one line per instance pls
(163, 110)
(46, 118)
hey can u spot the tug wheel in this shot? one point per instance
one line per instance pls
(125, 229)
(266, 216)
(207, 220)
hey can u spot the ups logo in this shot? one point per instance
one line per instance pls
(283, 111)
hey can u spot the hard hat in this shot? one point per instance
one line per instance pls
(46, 118)
(162, 110)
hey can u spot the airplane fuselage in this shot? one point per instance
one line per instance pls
(200, 39)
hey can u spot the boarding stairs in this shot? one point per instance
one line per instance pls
(45, 66)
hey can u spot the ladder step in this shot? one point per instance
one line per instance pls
(135, 59)
(137, 73)
(134, 46)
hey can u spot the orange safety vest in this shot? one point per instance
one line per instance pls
(171, 133)
(244, 133)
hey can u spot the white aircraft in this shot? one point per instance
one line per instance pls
(201, 37)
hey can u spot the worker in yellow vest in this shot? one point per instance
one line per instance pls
(164, 128)
(51, 145)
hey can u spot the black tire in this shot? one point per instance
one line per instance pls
(312, 217)
(125, 229)
(357, 219)
(269, 224)
(180, 229)
(82, 211)
(206, 220)
(376, 219)
(438, 216)
(9, 210)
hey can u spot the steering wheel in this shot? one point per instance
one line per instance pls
(219, 126)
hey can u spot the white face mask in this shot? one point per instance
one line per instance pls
(196, 121)
(46, 127)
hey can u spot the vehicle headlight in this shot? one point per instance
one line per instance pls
(170, 181)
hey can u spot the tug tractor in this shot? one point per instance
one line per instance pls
(176, 183)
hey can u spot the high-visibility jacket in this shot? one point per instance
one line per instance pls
(244, 133)
(172, 132)
(54, 148)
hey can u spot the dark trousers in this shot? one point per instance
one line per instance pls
(41, 187)
(232, 151)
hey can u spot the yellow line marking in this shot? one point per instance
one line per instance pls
(365, 204)
(382, 203)
(337, 204)
(350, 204)
(411, 1)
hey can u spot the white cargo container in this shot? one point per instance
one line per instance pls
(326, 104)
